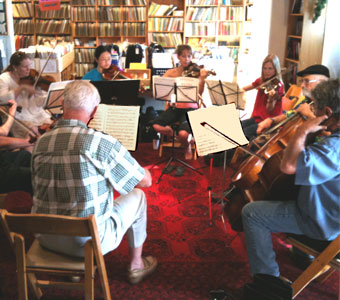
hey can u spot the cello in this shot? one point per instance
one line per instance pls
(246, 184)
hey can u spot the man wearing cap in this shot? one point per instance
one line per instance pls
(311, 77)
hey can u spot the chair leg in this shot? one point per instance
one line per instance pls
(318, 264)
(32, 281)
(21, 267)
(89, 271)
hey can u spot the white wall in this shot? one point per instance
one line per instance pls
(331, 48)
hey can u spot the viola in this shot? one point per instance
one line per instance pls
(193, 70)
(273, 83)
(43, 82)
(114, 73)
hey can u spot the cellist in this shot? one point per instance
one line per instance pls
(316, 211)
(311, 77)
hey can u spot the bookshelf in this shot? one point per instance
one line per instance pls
(105, 22)
(166, 23)
(216, 21)
(304, 44)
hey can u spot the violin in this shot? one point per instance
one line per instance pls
(193, 70)
(114, 73)
(272, 84)
(43, 82)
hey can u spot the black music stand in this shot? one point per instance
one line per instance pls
(164, 91)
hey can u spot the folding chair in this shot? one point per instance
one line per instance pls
(324, 259)
(38, 260)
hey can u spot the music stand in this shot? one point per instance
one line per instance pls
(118, 92)
(222, 93)
(175, 90)
(55, 97)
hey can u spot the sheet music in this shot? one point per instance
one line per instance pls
(121, 122)
(226, 90)
(225, 119)
(186, 88)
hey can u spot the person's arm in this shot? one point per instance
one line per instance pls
(203, 75)
(297, 144)
(5, 128)
(147, 179)
(269, 122)
(247, 88)
(10, 143)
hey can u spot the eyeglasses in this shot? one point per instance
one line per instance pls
(307, 81)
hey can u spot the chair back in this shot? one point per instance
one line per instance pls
(16, 226)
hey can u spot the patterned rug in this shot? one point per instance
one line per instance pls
(196, 253)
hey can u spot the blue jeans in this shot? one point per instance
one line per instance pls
(260, 219)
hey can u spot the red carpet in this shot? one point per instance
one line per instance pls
(193, 256)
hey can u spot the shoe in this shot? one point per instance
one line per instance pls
(169, 169)
(179, 171)
(136, 276)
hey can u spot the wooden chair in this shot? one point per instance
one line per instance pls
(38, 260)
(323, 261)
(166, 142)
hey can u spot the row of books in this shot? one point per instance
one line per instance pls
(201, 2)
(82, 69)
(63, 12)
(53, 26)
(23, 41)
(201, 13)
(84, 55)
(231, 41)
(23, 26)
(109, 29)
(230, 28)
(134, 13)
(83, 13)
(231, 13)
(294, 47)
(165, 24)
(121, 2)
(22, 10)
(200, 29)
(213, 2)
(83, 2)
(134, 29)
(297, 7)
(158, 10)
(166, 39)
(109, 14)
(108, 2)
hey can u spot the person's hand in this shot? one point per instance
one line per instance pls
(265, 124)
(305, 110)
(204, 73)
(12, 110)
(312, 125)
(271, 93)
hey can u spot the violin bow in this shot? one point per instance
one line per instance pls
(43, 68)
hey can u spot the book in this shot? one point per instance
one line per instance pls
(121, 122)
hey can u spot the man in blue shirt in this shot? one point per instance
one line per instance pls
(316, 211)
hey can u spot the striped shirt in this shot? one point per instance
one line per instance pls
(75, 170)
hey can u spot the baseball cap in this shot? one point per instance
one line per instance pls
(315, 70)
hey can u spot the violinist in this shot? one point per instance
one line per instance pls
(179, 113)
(15, 171)
(316, 211)
(311, 77)
(25, 95)
(268, 102)
(102, 61)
